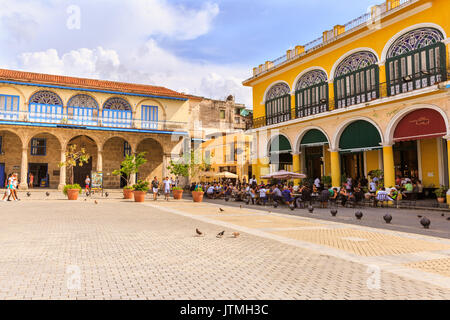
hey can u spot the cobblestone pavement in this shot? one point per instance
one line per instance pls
(117, 249)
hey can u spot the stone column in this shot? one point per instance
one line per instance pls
(335, 169)
(166, 159)
(448, 162)
(24, 170)
(63, 170)
(388, 166)
(100, 160)
(297, 166)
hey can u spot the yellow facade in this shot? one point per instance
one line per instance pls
(384, 113)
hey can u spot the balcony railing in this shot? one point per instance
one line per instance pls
(367, 18)
(405, 84)
(87, 121)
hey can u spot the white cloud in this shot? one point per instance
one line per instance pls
(113, 43)
(149, 64)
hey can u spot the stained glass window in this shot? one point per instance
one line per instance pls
(83, 101)
(413, 40)
(354, 62)
(277, 91)
(311, 78)
(117, 104)
(46, 97)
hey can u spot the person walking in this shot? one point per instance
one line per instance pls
(167, 184)
(155, 187)
(7, 190)
(30, 180)
(11, 188)
(87, 183)
(15, 186)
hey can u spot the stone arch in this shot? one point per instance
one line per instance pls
(155, 159)
(161, 108)
(392, 125)
(92, 148)
(10, 153)
(342, 126)
(114, 150)
(273, 136)
(399, 34)
(304, 131)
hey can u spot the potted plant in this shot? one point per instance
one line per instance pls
(129, 167)
(140, 190)
(177, 193)
(73, 158)
(72, 191)
(197, 195)
(441, 193)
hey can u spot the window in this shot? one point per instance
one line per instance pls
(45, 106)
(126, 149)
(356, 79)
(9, 107)
(222, 114)
(117, 113)
(38, 147)
(237, 120)
(149, 117)
(311, 94)
(415, 60)
(278, 104)
(82, 109)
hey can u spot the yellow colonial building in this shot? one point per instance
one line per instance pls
(369, 94)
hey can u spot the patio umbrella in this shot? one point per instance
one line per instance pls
(284, 175)
(227, 175)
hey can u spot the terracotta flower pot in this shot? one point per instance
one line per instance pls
(128, 193)
(177, 194)
(197, 196)
(139, 196)
(72, 194)
(441, 200)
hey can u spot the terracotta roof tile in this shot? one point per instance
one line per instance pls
(84, 83)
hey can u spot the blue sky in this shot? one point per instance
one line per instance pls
(200, 47)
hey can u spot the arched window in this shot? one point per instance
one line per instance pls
(311, 94)
(278, 104)
(356, 79)
(117, 113)
(45, 106)
(416, 60)
(82, 109)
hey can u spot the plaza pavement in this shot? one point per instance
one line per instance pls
(55, 249)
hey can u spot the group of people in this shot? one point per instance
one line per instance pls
(166, 185)
(11, 185)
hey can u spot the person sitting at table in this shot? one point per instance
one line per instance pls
(408, 188)
(315, 190)
(276, 194)
(358, 195)
(394, 194)
(210, 192)
(343, 195)
(333, 195)
(324, 197)
(287, 196)
(382, 196)
(262, 195)
(306, 195)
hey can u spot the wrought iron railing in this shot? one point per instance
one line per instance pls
(367, 18)
(66, 120)
(392, 88)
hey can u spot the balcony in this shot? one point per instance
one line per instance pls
(408, 83)
(86, 121)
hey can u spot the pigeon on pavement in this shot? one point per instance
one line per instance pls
(220, 234)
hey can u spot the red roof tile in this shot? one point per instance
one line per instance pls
(84, 83)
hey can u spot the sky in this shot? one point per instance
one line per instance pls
(198, 47)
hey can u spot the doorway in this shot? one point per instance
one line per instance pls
(353, 165)
(405, 159)
(80, 173)
(40, 173)
(2, 175)
(314, 163)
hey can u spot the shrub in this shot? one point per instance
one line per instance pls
(177, 188)
(141, 186)
(71, 186)
(128, 188)
(441, 192)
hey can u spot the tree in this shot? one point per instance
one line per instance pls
(130, 166)
(74, 158)
(188, 166)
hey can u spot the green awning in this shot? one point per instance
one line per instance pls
(280, 144)
(359, 136)
(314, 137)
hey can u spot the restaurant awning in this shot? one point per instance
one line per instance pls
(313, 138)
(420, 124)
(360, 136)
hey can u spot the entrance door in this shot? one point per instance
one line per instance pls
(405, 159)
(353, 165)
(123, 180)
(313, 156)
(80, 173)
(2, 175)
(40, 173)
